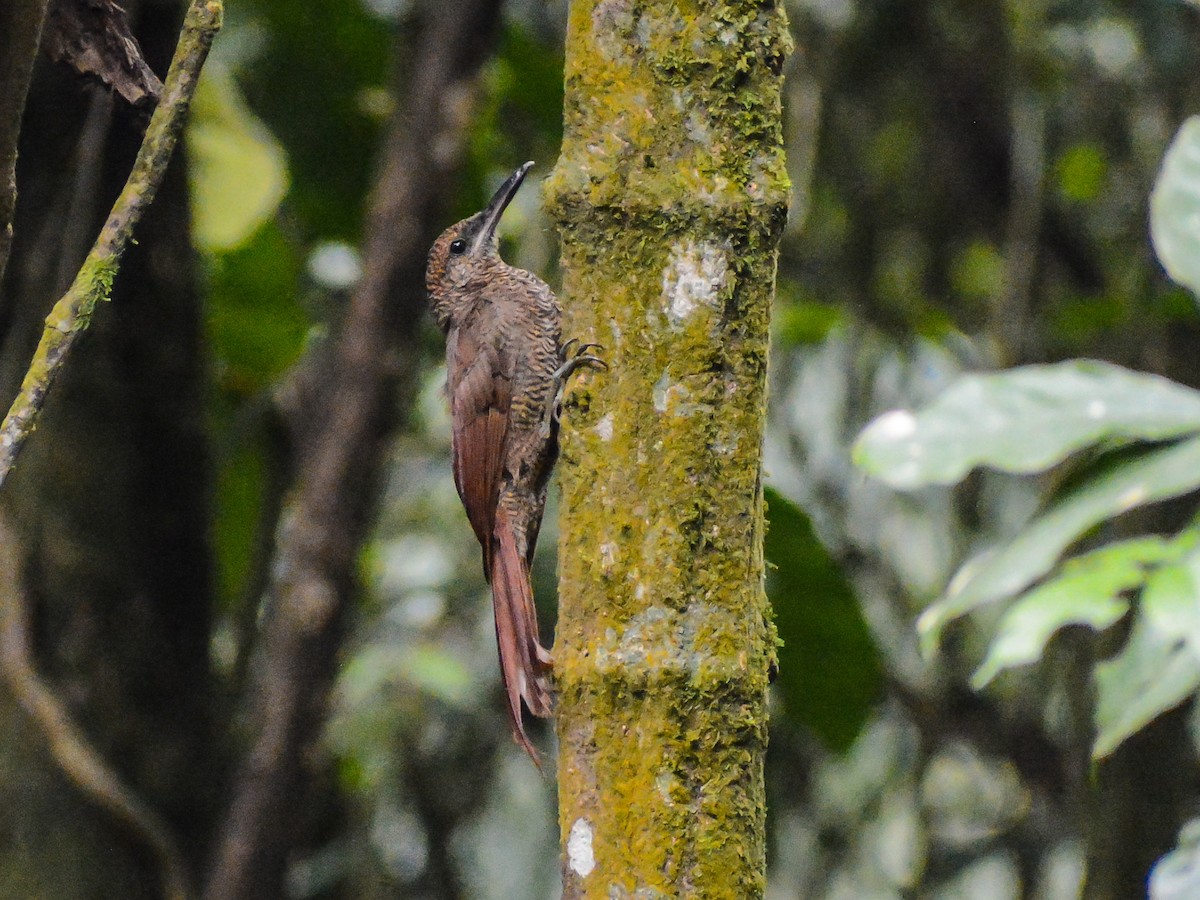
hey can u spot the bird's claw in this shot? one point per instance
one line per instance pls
(574, 355)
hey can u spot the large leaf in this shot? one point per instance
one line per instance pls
(1024, 420)
(1177, 875)
(1160, 474)
(319, 81)
(381, 667)
(1087, 592)
(1158, 668)
(1175, 207)
(255, 320)
(828, 664)
(238, 169)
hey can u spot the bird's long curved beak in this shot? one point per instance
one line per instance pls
(495, 209)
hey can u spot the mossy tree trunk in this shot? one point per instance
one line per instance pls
(671, 195)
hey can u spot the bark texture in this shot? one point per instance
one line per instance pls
(670, 194)
(20, 27)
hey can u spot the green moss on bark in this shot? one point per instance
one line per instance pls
(670, 194)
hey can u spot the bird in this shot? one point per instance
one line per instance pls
(506, 365)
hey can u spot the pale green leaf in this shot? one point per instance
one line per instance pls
(382, 667)
(439, 674)
(238, 169)
(1087, 592)
(1158, 669)
(1006, 571)
(1024, 420)
(1175, 207)
(1177, 875)
(1081, 172)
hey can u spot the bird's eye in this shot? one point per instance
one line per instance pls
(458, 247)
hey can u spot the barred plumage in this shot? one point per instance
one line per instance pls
(504, 367)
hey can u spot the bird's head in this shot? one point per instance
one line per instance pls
(466, 251)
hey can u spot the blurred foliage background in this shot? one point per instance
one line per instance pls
(971, 188)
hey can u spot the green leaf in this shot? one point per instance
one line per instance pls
(242, 483)
(380, 667)
(1087, 592)
(1002, 573)
(978, 271)
(1023, 420)
(1175, 208)
(806, 322)
(828, 665)
(1158, 669)
(439, 674)
(1177, 875)
(255, 320)
(1081, 172)
(238, 170)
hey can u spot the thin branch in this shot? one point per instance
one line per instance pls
(20, 31)
(68, 746)
(72, 314)
(345, 413)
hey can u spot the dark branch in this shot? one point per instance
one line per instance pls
(66, 742)
(347, 408)
(20, 26)
(93, 38)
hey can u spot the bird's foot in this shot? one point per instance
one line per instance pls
(575, 356)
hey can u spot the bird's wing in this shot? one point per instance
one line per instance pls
(480, 389)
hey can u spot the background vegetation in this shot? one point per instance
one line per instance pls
(971, 192)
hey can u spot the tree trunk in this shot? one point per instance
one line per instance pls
(670, 194)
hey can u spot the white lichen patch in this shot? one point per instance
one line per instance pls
(693, 279)
(673, 398)
(658, 393)
(666, 783)
(612, 25)
(608, 556)
(604, 428)
(663, 639)
(580, 856)
(648, 639)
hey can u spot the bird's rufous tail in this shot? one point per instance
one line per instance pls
(524, 663)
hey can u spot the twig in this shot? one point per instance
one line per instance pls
(68, 745)
(72, 314)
